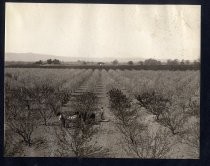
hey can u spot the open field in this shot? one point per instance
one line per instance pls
(148, 114)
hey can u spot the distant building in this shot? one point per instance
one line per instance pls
(101, 63)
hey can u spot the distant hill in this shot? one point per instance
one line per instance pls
(32, 57)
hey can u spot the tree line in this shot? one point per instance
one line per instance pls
(149, 62)
(48, 61)
(152, 62)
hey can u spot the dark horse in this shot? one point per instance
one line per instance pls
(87, 118)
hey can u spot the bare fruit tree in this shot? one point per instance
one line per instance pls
(78, 140)
(153, 102)
(11, 148)
(137, 138)
(24, 126)
(151, 145)
(192, 138)
(194, 107)
(174, 119)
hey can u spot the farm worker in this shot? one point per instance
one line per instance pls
(62, 119)
(102, 114)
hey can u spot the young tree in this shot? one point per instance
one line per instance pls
(174, 119)
(12, 106)
(24, 96)
(41, 94)
(24, 126)
(159, 143)
(192, 138)
(118, 100)
(53, 104)
(17, 100)
(145, 99)
(11, 147)
(78, 140)
(136, 136)
(153, 102)
(86, 104)
(145, 144)
(64, 96)
(194, 107)
(50, 99)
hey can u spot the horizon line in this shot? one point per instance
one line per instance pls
(92, 58)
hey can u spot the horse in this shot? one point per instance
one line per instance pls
(87, 118)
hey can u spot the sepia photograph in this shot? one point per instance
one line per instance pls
(102, 80)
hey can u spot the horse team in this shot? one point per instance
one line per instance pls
(87, 118)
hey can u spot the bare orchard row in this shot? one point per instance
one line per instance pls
(173, 98)
(34, 97)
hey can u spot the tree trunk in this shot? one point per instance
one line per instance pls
(157, 117)
(29, 143)
(45, 122)
(173, 131)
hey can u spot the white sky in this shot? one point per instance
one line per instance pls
(104, 30)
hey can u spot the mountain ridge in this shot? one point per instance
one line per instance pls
(32, 57)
